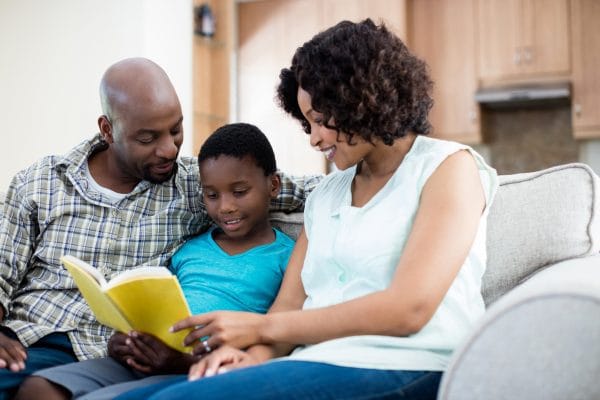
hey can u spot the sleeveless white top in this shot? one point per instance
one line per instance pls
(354, 251)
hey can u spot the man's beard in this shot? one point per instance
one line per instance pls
(148, 176)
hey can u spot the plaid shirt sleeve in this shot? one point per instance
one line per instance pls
(294, 191)
(17, 235)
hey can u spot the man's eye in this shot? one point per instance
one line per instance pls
(145, 140)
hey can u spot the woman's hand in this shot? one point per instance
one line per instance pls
(224, 359)
(235, 329)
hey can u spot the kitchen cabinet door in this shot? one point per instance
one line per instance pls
(443, 33)
(523, 38)
(212, 62)
(585, 16)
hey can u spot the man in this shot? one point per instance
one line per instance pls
(119, 200)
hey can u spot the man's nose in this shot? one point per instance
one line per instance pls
(167, 148)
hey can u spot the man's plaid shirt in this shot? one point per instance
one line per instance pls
(50, 210)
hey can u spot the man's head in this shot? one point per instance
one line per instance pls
(141, 121)
(239, 179)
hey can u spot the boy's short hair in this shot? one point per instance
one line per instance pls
(240, 140)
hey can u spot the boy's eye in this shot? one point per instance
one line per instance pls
(210, 195)
(240, 192)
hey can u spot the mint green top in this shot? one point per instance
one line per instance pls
(354, 251)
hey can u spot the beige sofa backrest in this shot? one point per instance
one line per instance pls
(538, 219)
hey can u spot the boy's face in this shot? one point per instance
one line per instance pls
(237, 195)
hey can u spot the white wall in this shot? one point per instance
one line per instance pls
(53, 54)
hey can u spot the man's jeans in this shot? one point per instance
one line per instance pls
(51, 350)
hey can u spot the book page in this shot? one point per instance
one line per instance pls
(138, 273)
(93, 272)
(101, 305)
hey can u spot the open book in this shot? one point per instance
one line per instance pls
(145, 299)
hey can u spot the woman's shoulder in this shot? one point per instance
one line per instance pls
(336, 180)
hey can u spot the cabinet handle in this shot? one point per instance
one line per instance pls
(577, 109)
(528, 54)
(472, 116)
(517, 57)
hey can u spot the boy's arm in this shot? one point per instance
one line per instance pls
(293, 193)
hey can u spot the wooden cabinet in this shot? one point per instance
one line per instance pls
(443, 33)
(212, 58)
(585, 23)
(523, 38)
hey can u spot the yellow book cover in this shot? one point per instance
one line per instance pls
(145, 299)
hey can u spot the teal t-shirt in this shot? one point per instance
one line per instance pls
(213, 280)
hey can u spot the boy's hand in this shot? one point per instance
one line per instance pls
(152, 356)
(118, 348)
(223, 359)
(12, 354)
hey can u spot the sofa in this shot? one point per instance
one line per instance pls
(540, 336)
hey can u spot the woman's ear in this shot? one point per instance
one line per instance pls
(105, 128)
(275, 185)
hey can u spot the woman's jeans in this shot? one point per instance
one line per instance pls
(297, 380)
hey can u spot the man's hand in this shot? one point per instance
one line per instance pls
(118, 348)
(12, 354)
(151, 356)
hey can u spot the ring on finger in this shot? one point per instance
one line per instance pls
(207, 347)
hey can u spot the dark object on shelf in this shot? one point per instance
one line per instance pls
(204, 21)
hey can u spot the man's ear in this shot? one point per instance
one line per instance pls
(105, 128)
(275, 185)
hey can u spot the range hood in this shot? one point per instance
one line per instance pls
(524, 95)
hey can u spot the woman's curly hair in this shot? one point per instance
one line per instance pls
(363, 78)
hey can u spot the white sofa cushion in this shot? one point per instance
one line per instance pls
(540, 341)
(537, 219)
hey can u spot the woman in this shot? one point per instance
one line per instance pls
(385, 279)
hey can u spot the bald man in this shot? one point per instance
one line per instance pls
(118, 200)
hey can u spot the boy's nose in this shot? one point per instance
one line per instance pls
(227, 205)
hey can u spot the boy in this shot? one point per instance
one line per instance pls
(242, 261)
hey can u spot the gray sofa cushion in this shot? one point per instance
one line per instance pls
(537, 219)
(290, 224)
(540, 341)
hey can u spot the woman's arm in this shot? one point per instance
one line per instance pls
(442, 235)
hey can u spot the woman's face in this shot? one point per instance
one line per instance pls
(334, 146)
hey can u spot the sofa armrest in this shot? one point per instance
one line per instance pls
(539, 341)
